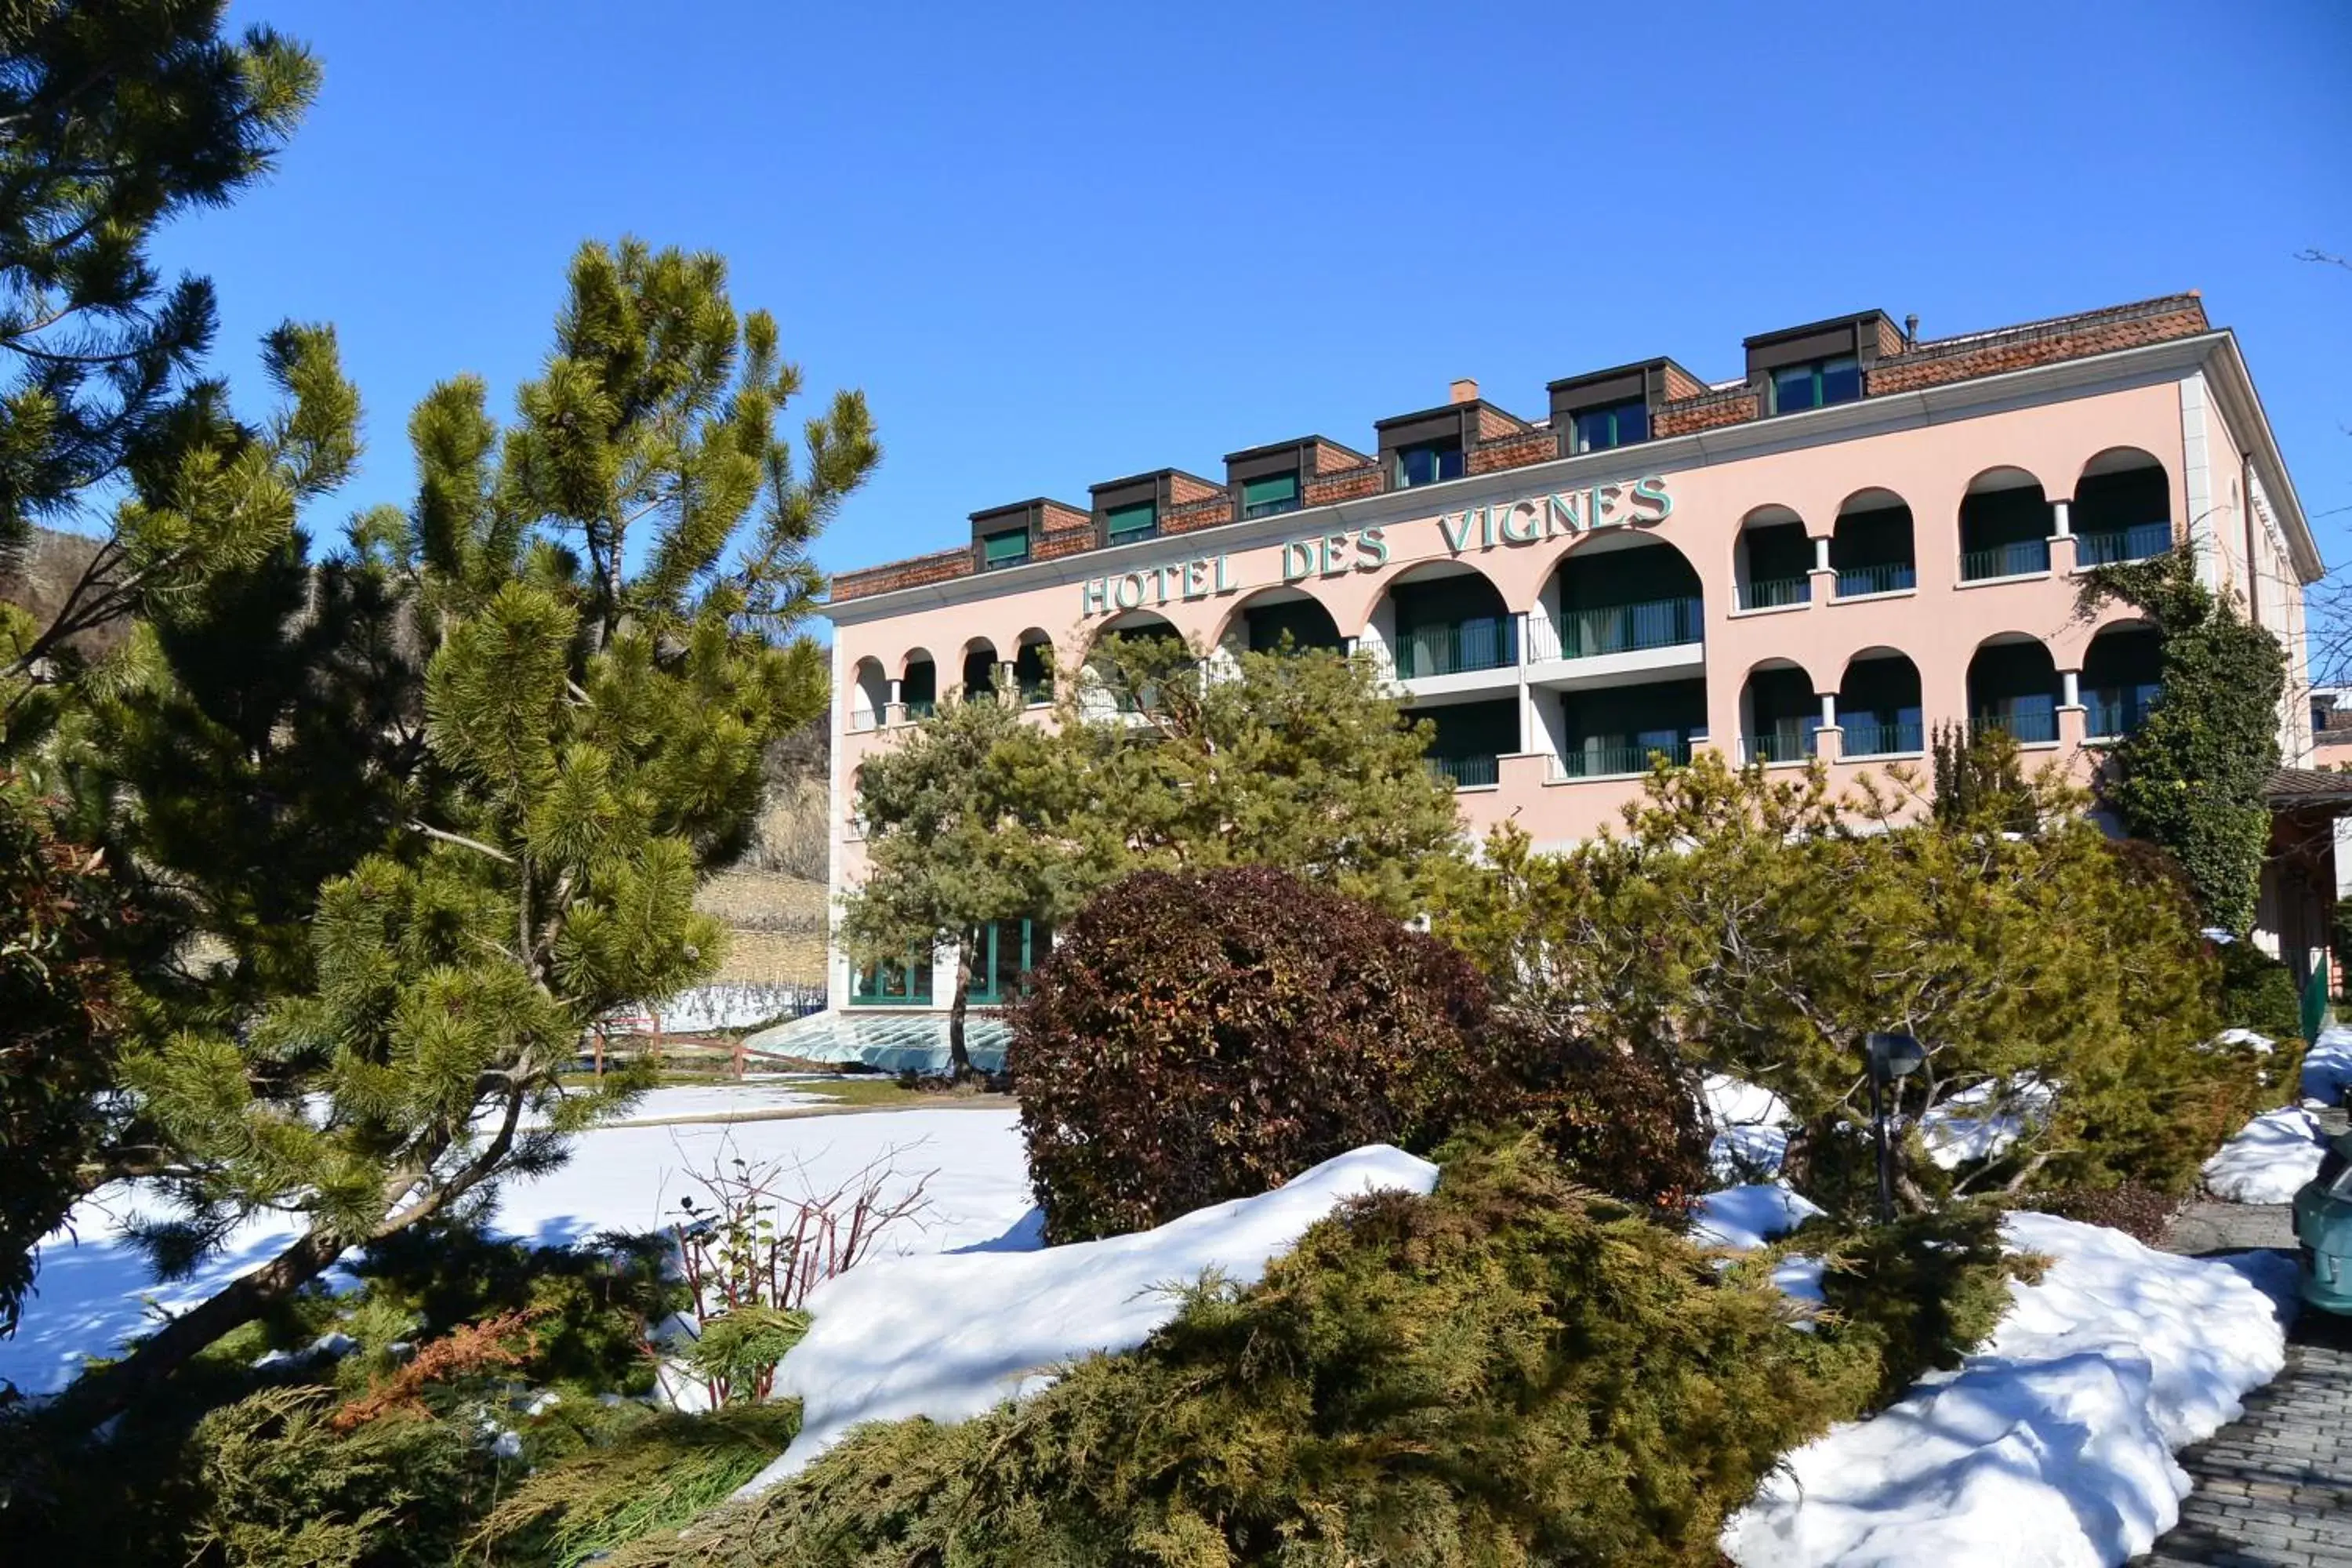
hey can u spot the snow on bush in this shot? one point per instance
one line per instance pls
(1745, 1218)
(1751, 1128)
(2268, 1159)
(992, 1325)
(2053, 1445)
(1981, 1122)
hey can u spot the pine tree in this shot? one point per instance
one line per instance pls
(2192, 778)
(1294, 760)
(967, 821)
(591, 727)
(114, 119)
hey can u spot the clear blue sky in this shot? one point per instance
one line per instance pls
(1059, 245)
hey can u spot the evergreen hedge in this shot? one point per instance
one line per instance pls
(1511, 1370)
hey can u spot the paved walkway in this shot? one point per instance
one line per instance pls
(2273, 1487)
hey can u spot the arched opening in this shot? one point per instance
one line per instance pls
(2122, 509)
(1032, 667)
(869, 695)
(2014, 686)
(1446, 619)
(1778, 714)
(2005, 526)
(979, 668)
(1132, 681)
(1618, 592)
(919, 688)
(1873, 550)
(2123, 672)
(1281, 619)
(1878, 706)
(1772, 561)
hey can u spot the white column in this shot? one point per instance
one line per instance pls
(2061, 519)
(1829, 711)
(2070, 682)
(1822, 553)
(896, 710)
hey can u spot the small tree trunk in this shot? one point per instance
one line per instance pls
(959, 1059)
(114, 1389)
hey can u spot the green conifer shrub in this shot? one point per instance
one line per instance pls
(644, 1471)
(1762, 927)
(1511, 1370)
(2192, 777)
(2258, 994)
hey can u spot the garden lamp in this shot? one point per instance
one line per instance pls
(1892, 1056)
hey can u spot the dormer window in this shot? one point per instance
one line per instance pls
(1816, 384)
(1010, 548)
(1125, 524)
(1428, 463)
(1617, 425)
(1270, 495)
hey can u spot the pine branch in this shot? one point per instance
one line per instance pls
(460, 840)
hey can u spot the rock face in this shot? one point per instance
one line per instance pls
(37, 580)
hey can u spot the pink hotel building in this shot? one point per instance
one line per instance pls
(1862, 536)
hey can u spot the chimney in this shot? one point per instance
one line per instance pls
(1463, 390)
(1911, 330)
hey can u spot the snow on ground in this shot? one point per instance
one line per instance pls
(760, 1096)
(1017, 1316)
(2052, 1448)
(2328, 1067)
(1751, 1127)
(1745, 1218)
(91, 1293)
(2267, 1159)
(2260, 1044)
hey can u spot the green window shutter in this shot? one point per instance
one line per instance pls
(1272, 491)
(1004, 548)
(1123, 522)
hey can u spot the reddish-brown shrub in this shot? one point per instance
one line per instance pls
(1202, 1037)
(1622, 1120)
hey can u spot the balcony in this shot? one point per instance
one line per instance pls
(1599, 760)
(1618, 628)
(2114, 546)
(1465, 772)
(2019, 558)
(1456, 647)
(1874, 740)
(916, 709)
(1784, 744)
(1776, 593)
(2027, 724)
(1894, 577)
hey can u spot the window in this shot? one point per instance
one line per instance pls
(1619, 424)
(1007, 549)
(1428, 463)
(1002, 955)
(906, 981)
(1816, 385)
(1140, 521)
(1271, 495)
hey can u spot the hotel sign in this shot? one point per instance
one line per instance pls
(1529, 520)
